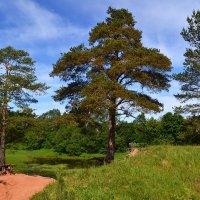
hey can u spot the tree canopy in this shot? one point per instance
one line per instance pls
(114, 74)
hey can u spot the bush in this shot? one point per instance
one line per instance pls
(67, 140)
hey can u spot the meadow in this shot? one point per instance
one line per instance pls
(46, 162)
(156, 173)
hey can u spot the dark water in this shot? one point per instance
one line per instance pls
(71, 163)
(34, 167)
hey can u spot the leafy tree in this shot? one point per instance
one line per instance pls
(146, 130)
(51, 114)
(105, 77)
(68, 140)
(192, 133)
(152, 131)
(18, 123)
(172, 125)
(125, 134)
(190, 77)
(17, 84)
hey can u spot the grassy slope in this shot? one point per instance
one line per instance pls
(157, 173)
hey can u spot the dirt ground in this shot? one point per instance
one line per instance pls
(21, 186)
(134, 152)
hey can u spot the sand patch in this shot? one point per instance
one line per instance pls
(21, 186)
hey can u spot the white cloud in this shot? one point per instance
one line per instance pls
(33, 23)
(44, 33)
(160, 21)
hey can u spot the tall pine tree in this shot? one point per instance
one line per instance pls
(190, 77)
(17, 84)
(105, 78)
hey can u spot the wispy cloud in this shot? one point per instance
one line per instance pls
(160, 21)
(47, 28)
(31, 23)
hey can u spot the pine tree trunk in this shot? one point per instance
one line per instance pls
(3, 136)
(4, 121)
(111, 138)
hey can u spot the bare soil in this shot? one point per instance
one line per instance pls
(21, 186)
(133, 152)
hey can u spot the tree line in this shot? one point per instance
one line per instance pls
(113, 76)
(66, 134)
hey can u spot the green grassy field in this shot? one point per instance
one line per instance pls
(157, 173)
(45, 162)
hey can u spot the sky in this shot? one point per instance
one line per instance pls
(47, 28)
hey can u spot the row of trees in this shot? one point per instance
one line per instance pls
(112, 76)
(72, 136)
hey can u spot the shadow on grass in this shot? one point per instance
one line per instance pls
(37, 165)
(70, 163)
(39, 172)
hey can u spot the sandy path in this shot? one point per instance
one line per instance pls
(21, 186)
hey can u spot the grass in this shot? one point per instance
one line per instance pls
(46, 162)
(157, 173)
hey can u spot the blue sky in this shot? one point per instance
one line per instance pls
(45, 28)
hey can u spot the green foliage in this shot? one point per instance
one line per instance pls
(146, 131)
(34, 139)
(51, 114)
(125, 134)
(19, 122)
(152, 133)
(192, 133)
(74, 141)
(104, 77)
(18, 84)
(28, 131)
(116, 60)
(172, 127)
(190, 77)
(67, 140)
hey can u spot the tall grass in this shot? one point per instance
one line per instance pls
(157, 173)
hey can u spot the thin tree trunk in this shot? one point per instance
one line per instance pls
(111, 138)
(4, 121)
(3, 136)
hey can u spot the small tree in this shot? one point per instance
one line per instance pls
(17, 84)
(101, 79)
(190, 77)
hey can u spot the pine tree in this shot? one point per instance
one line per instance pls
(17, 84)
(105, 77)
(190, 77)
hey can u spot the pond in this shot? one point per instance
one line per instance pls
(49, 166)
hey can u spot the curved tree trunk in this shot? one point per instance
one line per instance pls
(111, 138)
